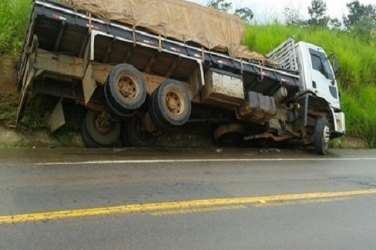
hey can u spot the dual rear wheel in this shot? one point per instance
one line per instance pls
(125, 94)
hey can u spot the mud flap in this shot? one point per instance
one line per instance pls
(88, 84)
(57, 118)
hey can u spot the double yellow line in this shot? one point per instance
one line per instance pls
(194, 205)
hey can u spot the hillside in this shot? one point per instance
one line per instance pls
(357, 77)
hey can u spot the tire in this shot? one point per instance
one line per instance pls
(125, 90)
(95, 136)
(87, 139)
(134, 133)
(170, 105)
(116, 113)
(321, 136)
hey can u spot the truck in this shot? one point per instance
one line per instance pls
(140, 73)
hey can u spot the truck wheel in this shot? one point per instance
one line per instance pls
(170, 105)
(126, 89)
(321, 136)
(87, 139)
(231, 135)
(134, 133)
(116, 113)
(99, 130)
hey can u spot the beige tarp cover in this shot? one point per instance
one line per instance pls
(178, 19)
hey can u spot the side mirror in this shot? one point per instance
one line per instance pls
(335, 64)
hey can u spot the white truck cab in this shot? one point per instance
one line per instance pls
(317, 74)
(318, 77)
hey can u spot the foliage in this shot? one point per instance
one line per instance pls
(357, 77)
(246, 14)
(8, 108)
(357, 11)
(335, 23)
(361, 21)
(317, 12)
(292, 16)
(14, 17)
(220, 5)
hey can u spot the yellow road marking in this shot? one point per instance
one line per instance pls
(197, 210)
(181, 205)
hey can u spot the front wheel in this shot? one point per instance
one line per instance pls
(321, 136)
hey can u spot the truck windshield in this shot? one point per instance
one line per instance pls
(321, 63)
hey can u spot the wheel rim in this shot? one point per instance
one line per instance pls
(128, 88)
(103, 123)
(174, 102)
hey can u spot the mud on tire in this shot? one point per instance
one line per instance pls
(99, 130)
(125, 90)
(170, 105)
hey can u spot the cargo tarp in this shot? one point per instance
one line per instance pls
(177, 19)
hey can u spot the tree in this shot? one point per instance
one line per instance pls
(335, 23)
(357, 11)
(361, 21)
(246, 14)
(317, 11)
(220, 5)
(292, 16)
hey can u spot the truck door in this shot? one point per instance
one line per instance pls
(323, 79)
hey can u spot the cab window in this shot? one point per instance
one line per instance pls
(321, 63)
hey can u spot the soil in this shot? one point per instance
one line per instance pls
(8, 75)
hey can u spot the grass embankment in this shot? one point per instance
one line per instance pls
(357, 78)
(14, 18)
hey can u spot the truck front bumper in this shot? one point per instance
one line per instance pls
(339, 127)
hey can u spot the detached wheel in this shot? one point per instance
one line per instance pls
(99, 130)
(321, 136)
(170, 105)
(125, 90)
(134, 133)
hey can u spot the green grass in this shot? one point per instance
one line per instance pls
(357, 78)
(14, 18)
(8, 108)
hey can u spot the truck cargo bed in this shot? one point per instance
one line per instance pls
(62, 30)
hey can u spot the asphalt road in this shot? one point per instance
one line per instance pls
(187, 199)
